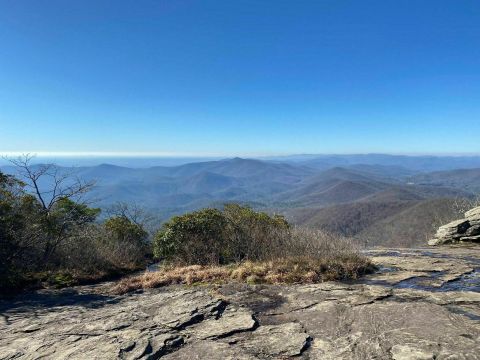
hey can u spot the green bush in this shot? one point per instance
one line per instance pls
(17, 254)
(253, 234)
(199, 237)
(211, 236)
(123, 229)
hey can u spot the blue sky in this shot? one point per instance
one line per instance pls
(240, 77)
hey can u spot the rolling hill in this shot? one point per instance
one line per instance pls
(417, 164)
(465, 179)
(352, 200)
(412, 226)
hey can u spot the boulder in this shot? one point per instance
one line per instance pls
(452, 229)
(446, 239)
(473, 214)
(450, 232)
(473, 231)
(462, 230)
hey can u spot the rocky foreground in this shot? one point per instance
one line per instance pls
(421, 304)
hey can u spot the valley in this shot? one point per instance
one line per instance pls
(376, 199)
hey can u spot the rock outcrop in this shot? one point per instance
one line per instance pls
(458, 231)
(419, 305)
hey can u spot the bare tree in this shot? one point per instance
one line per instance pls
(462, 204)
(130, 211)
(54, 189)
(134, 213)
(62, 184)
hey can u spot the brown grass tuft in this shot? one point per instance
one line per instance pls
(290, 270)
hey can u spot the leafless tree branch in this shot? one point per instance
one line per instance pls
(63, 184)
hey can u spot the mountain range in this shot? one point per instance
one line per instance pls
(345, 194)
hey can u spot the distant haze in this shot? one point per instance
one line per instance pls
(447, 161)
(127, 161)
(177, 185)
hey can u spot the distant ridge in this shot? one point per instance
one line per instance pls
(296, 188)
(417, 163)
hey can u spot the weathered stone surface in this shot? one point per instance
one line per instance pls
(470, 238)
(421, 265)
(211, 350)
(451, 232)
(409, 352)
(277, 341)
(395, 277)
(141, 326)
(434, 242)
(442, 241)
(342, 331)
(417, 306)
(456, 226)
(232, 321)
(474, 222)
(180, 312)
(473, 231)
(463, 230)
(473, 214)
(439, 298)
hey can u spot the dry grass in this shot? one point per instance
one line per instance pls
(281, 271)
(304, 256)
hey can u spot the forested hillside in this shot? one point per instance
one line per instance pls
(351, 200)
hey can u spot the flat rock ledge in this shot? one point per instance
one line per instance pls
(377, 317)
(171, 323)
(465, 230)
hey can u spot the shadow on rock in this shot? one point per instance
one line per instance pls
(56, 298)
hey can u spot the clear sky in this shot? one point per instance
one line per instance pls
(240, 77)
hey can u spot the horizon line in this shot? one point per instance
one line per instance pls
(165, 154)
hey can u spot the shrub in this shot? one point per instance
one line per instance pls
(127, 237)
(93, 250)
(200, 237)
(17, 241)
(240, 244)
(253, 234)
(122, 229)
(211, 236)
(61, 238)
